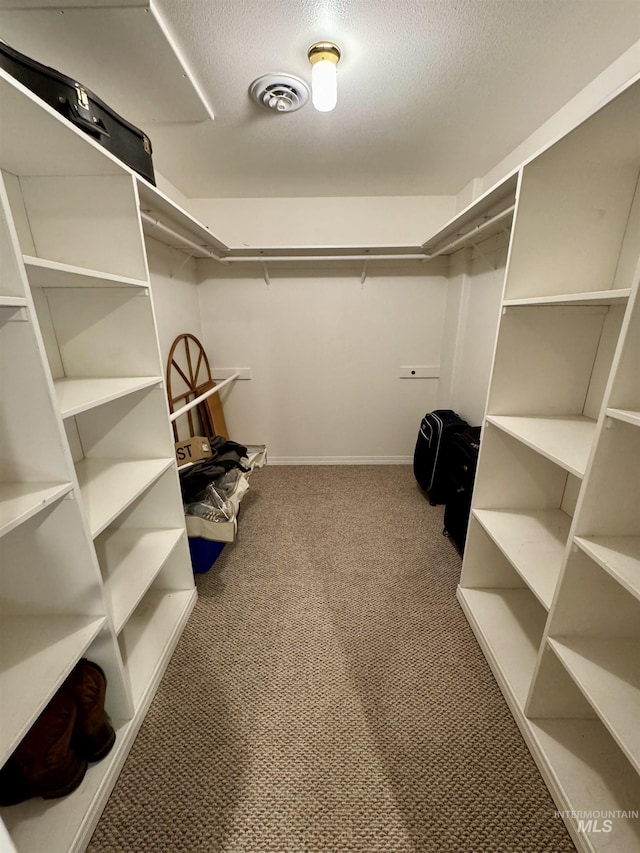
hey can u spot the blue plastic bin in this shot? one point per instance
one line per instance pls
(204, 553)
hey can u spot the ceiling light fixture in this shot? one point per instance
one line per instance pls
(324, 57)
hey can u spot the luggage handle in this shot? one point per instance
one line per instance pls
(94, 126)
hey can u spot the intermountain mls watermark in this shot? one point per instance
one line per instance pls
(598, 820)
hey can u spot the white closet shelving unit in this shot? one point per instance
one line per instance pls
(93, 547)
(551, 573)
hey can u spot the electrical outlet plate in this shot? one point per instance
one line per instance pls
(419, 372)
(220, 373)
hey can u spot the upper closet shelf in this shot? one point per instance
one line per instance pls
(170, 224)
(488, 215)
(36, 140)
(45, 273)
(564, 440)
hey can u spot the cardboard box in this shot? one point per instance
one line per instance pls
(192, 449)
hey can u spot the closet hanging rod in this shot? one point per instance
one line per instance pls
(270, 259)
(188, 243)
(183, 411)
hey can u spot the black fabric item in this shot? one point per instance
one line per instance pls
(220, 445)
(430, 458)
(84, 109)
(227, 454)
(463, 462)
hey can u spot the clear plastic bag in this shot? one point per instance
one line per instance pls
(213, 506)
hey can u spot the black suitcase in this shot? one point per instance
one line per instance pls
(431, 453)
(463, 461)
(83, 108)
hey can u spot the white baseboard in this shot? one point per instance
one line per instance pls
(340, 460)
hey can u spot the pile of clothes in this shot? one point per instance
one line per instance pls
(213, 488)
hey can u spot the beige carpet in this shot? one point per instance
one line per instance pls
(328, 694)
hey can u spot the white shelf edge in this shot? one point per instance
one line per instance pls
(42, 272)
(79, 394)
(44, 648)
(127, 583)
(609, 694)
(89, 471)
(548, 549)
(627, 415)
(21, 501)
(13, 301)
(619, 556)
(576, 452)
(596, 297)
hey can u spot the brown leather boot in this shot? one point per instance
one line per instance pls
(93, 735)
(44, 764)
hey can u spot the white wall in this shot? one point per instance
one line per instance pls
(173, 192)
(575, 111)
(325, 351)
(175, 300)
(478, 303)
(382, 221)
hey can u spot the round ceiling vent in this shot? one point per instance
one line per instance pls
(280, 92)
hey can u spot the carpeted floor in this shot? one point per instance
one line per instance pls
(328, 694)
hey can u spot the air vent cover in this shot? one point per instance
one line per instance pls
(280, 92)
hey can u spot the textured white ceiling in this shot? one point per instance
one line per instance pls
(432, 93)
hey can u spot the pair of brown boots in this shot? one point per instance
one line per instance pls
(73, 729)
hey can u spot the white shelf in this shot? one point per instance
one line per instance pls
(497, 198)
(78, 395)
(150, 636)
(617, 555)
(508, 625)
(109, 485)
(13, 302)
(625, 415)
(62, 825)
(45, 273)
(131, 558)
(586, 772)
(36, 653)
(608, 673)
(160, 207)
(533, 541)
(21, 501)
(564, 440)
(596, 297)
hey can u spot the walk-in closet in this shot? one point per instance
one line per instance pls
(233, 617)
